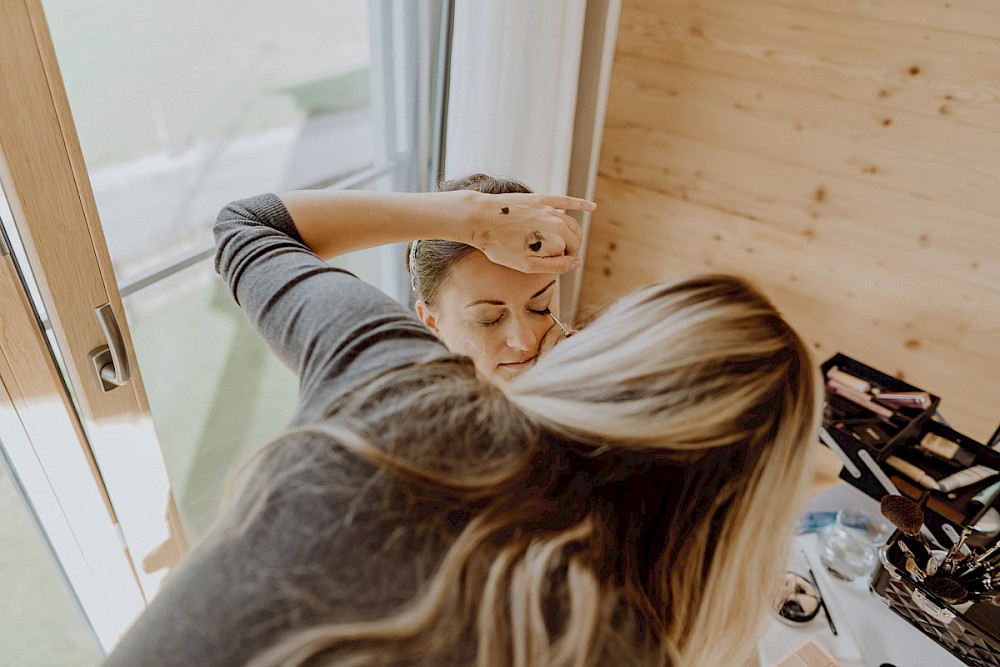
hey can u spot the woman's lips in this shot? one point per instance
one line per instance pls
(518, 364)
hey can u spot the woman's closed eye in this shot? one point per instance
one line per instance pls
(492, 323)
(500, 318)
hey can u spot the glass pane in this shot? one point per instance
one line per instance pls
(183, 106)
(41, 622)
(180, 108)
(216, 392)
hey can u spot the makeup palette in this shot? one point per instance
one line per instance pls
(810, 654)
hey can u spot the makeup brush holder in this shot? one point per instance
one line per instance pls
(970, 631)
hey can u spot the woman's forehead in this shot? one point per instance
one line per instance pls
(475, 280)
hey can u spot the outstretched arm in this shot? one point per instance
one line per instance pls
(527, 232)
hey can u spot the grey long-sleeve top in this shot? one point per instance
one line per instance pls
(299, 561)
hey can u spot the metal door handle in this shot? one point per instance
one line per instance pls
(110, 361)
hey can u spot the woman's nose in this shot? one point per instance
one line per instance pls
(520, 335)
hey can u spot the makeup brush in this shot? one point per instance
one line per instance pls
(904, 513)
(950, 558)
(978, 568)
(986, 554)
(562, 327)
(947, 589)
(914, 569)
(985, 585)
(950, 566)
(908, 516)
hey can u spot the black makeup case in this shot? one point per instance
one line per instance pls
(866, 443)
(970, 631)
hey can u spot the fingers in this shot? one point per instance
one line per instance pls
(556, 265)
(574, 233)
(551, 338)
(532, 235)
(567, 203)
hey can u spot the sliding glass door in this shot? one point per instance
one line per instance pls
(125, 125)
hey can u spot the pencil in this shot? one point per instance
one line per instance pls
(822, 602)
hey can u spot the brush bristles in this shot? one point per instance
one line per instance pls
(903, 513)
(947, 589)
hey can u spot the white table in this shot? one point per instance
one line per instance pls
(869, 634)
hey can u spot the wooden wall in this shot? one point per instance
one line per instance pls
(843, 154)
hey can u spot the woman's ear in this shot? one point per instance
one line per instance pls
(427, 316)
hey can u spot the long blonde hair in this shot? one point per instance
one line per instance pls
(636, 510)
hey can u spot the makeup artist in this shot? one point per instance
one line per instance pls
(627, 499)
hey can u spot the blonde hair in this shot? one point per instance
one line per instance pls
(629, 502)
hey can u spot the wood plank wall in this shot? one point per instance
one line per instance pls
(843, 154)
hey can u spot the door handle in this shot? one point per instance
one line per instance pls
(110, 361)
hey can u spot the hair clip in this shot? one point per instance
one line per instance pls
(411, 263)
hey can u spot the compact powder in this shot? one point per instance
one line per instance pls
(799, 602)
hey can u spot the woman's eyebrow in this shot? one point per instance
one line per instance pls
(539, 292)
(495, 302)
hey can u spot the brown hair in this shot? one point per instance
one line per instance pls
(429, 261)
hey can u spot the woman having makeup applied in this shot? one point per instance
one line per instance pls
(497, 316)
(625, 499)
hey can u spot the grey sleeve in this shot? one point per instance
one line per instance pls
(329, 327)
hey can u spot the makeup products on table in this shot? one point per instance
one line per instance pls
(822, 604)
(800, 599)
(891, 441)
(946, 449)
(984, 497)
(848, 380)
(965, 477)
(940, 570)
(935, 504)
(914, 472)
(920, 400)
(859, 398)
(957, 575)
(853, 409)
